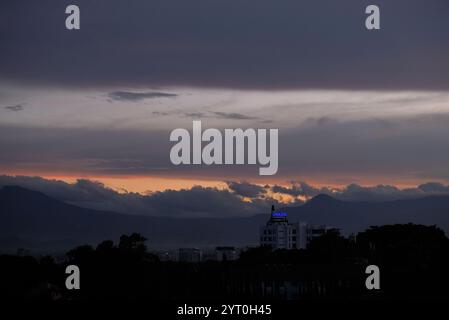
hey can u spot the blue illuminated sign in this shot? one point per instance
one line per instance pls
(279, 214)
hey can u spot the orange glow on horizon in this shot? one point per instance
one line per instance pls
(145, 184)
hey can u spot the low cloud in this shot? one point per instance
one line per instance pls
(195, 114)
(17, 107)
(219, 115)
(398, 149)
(138, 96)
(241, 198)
(195, 202)
(246, 189)
(352, 192)
(233, 116)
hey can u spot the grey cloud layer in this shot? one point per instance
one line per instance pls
(219, 115)
(246, 189)
(414, 148)
(233, 116)
(355, 192)
(206, 202)
(194, 202)
(138, 96)
(223, 43)
(17, 107)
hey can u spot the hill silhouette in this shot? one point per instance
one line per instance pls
(34, 220)
(354, 216)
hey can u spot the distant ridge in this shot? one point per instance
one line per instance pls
(322, 200)
(39, 222)
(44, 222)
(354, 216)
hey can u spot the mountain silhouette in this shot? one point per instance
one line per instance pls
(354, 216)
(36, 221)
(322, 200)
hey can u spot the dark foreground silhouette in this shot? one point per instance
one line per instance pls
(413, 261)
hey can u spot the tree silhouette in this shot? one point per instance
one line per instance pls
(105, 246)
(413, 260)
(134, 242)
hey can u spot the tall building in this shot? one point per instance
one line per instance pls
(278, 233)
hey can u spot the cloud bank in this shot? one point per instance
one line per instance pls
(403, 150)
(138, 96)
(17, 107)
(232, 44)
(241, 198)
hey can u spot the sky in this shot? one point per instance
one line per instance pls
(353, 107)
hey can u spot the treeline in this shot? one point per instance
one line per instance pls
(413, 260)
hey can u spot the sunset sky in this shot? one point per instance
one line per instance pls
(351, 106)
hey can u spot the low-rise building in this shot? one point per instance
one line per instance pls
(226, 254)
(190, 255)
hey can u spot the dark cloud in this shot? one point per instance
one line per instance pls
(434, 188)
(137, 96)
(238, 44)
(206, 202)
(321, 121)
(17, 107)
(233, 116)
(300, 189)
(194, 114)
(195, 202)
(200, 201)
(219, 115)
(414, 148)
(246, 189)
(356, 192)
(160, 114)
(352, 192)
